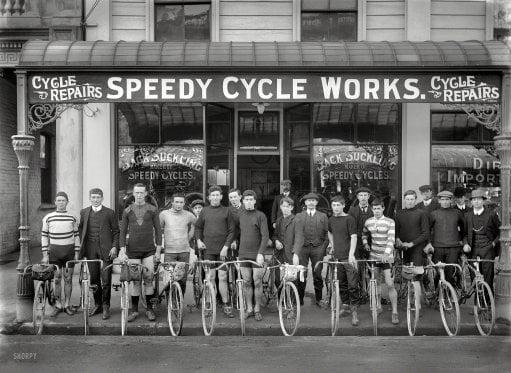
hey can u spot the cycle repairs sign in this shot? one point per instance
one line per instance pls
(300, 87)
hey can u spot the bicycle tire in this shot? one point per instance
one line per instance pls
(38, 308)
(198, 283)
(231, 286)
(412, 313)
(483, 299)
(449, 307)
(175, 308)
(240, 293)
(335, 308)
(85, 305)
(289, 309)
(125, 306)
(428, 281)
(329, 280)
(208, 308)
(373, 295)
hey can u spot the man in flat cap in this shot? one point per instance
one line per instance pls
(311, 240)
(429, 203)
(447, 224)
(285, 191)
(482, 234)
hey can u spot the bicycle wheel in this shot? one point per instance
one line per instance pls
(125, 305)
(240, 293)
(484, 308)
(412, 313)
(428, 281)
(197, 285)
(39, 307)
(175, 308)
(269, 290)
(86, 305)
(208, 308)
(289, 309)
(449, 308)
(373, 304)
(334, 307)
(329, 280)
(231, 286)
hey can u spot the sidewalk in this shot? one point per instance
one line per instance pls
(314, 321)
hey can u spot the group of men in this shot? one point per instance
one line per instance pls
(241, 231)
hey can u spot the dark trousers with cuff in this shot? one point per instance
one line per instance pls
(314, 254)
(101, 279)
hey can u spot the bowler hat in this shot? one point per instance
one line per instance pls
(445, 193)
(424, 188)
(459, 192)
(478, 193)
(310, 196)
(363, 189)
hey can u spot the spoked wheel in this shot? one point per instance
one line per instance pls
(175, 308)
(289, 309)
(269, 288)
(329, 280)
(373, 296)
(208, 308)
(412, 313)
(449, 308)
(334, 307)
(430, 292)
(197, 286)
(38, 308)
(241, 305)
(86, 305)
(484, 308)
(125, 306)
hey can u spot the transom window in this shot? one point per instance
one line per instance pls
(182, 20)
(329, 20)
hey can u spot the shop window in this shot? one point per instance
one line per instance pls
(378, 123)
(182, 123)
(138, 123)
(47, 159)
(334, 123)
(182, 20)
(258, 131)
(463, 154)
(329, 20)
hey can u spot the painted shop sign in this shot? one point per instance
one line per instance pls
(179, 87)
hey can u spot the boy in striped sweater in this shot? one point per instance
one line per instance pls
(380, 230)
(60, 242)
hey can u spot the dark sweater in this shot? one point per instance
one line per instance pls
(447, 225)
(412, 225)
(142, 236)
(215, 227)
(254, 234)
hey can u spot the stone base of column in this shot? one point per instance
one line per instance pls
(503, 297)
(25, 300)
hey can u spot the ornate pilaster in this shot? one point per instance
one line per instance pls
(23, 146)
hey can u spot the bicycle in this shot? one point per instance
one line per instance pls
(446, 297)
(44, 291)
(86, 289)
(129, 272)
(269, 281)
(373, 291)
(239, 295)
(198, 280)
(408, 273)
(208, 297)
(484, 302)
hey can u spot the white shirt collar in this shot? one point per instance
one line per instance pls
(461, 207)
(96, 209)
(479, 211)
(427, 201)
(311, 212)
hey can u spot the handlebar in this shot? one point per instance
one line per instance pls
(329, 262)
(443, 265)
(225, 264)
(125, 262)
(84, 261)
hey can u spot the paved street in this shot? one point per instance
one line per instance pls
(254, 354)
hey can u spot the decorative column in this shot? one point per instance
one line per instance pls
(503, 146)
(23, 146)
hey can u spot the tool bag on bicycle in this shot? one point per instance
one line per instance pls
(130, 272)
(42, 272)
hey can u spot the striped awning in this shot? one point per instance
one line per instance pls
(299, 55)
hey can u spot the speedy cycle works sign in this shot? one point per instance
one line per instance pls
(213, 87)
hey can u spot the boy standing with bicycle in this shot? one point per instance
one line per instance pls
(380, 230)
(342, 234)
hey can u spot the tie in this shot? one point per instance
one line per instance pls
(364, 210)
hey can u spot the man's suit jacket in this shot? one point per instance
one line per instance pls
(275, 208)
(108, 231)
(492, 226)
(321, 221)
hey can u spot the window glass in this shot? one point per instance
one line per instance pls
(453, 127)
(182, 22)
(329, 26)
(258, 131)
(378, 123)
(333, 123)
(197, 22)
(182, 123)
(138, 123)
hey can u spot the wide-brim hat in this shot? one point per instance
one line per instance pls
(424, 188)
(445, 193)
(478, 193)
(310, 196)
(363, 189)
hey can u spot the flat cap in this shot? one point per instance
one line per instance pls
(310, 196)
(445, 193)
(426, 187)
(363, 189)
(478, 193)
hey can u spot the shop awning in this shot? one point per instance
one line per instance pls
(299, 55)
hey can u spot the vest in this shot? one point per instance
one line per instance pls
(93, 226)
(310, 233)
(480, 237)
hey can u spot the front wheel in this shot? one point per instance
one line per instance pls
(208, 308)
(242, 307)
(175, 308)
(289, 309)
(86, 305)
(449, 308)
(484, 308)
(373, 299)
(125, 305)
(38, 308)
(412, 312)
(198, 284)
(334, 307)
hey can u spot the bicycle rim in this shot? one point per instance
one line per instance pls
(175, 308)
(412, 313)
(484, 308)
(208, 308)
(329, 283)
(449, 308)
(125, 305)
(373, 294)
(197, 286)
(334, 308)
(289, 309)
(38, 308)
(241, 304)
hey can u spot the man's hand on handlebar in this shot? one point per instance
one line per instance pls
(260, 259)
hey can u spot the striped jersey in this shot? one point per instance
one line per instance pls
(382, 232)
(59, 228)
